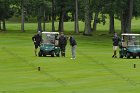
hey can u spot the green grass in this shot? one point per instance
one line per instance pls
(69, 26)
(93, 71)
(32, 27)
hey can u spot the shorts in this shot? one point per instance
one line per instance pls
(115, 47)
(36, 45)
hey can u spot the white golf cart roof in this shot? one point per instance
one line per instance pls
(50, 32)
(129, 34)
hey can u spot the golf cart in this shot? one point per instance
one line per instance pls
(49, 45)
(130, 45)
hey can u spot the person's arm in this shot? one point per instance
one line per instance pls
(70, 41)
(75, 42)
(33, 38)
(65, 41)
(59, 41)
(41, 40)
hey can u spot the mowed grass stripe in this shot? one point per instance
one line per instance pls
(89, 73)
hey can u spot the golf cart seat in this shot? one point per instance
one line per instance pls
(124, 44)
(130, 45)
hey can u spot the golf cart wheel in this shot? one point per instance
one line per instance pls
(134, 57)
(44, 55)
(52, 54)
(57, 55)
(121, 56)
(128, 55)
(40, 54)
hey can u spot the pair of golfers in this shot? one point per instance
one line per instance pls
(63, 43)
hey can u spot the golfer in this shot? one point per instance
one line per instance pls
(37, 39)
(73, 44)
(116, 41)
(62, 44)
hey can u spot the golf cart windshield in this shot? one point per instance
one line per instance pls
(131, 40)
(49, 37)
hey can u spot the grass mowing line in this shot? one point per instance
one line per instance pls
(58, 80)
(11, 91)
(110, 70)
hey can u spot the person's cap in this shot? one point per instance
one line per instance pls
(115, 34)
(39, 32)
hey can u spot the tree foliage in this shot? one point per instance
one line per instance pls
(64, 10)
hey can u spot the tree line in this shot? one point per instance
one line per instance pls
(71, 10)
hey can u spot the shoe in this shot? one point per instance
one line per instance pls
(72, 58)
(113, 56)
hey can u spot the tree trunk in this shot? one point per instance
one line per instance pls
(61, 19)
(61, 23)
(53, 17)
(111, 27)
(54, 10)
(39, 19)
(49, 17)
(44, 25)
(95, 21)
(88, 30)
(73, 16)
(4, 26)
(76, 17)
(130, 12)
(122, 25)
(0, 24)
(39, 24)
(127, 17)
(22, 16)
(123, 22)
(44, 21)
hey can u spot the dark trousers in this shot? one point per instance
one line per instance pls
(37, 45)
(62, 48)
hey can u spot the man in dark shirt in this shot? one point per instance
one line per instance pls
(73, 44)
(62, 44)
(116, 41)
(37, 39)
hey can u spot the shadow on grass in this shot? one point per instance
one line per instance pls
(110, 70)
(35, 67)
